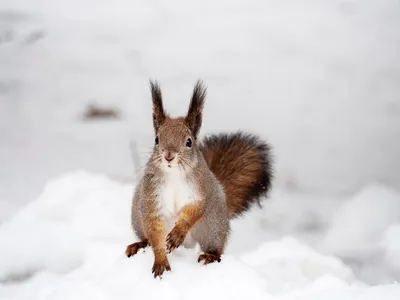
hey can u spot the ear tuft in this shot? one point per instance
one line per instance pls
(158, 109)
(194, 116)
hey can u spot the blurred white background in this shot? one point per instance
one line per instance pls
(320, 80)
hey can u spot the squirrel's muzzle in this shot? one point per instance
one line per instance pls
(169, 156)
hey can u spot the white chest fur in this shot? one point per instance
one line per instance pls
(175, 192)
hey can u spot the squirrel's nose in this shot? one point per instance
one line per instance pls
(169, 156)
(169, 159)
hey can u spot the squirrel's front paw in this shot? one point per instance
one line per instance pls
(132, 249)
(160, 266)
(175, 238)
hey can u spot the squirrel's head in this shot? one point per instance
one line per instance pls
(175, 142)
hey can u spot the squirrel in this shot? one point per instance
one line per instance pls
(192, 188)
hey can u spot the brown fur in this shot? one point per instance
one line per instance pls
(188, 217)
(242, 163)
(221, 167)
(209, 258)
(154, 231)
(194, 116)
(158, 109)
(132, 249)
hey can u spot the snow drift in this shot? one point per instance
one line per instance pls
(70, 243)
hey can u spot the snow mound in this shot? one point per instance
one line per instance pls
(287, 264)
(358, 225)
(390, 244)
(70, 242)
(52, 232)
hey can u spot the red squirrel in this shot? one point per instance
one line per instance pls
(191, 188)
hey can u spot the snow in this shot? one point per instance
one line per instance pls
(70, 243)
(390, 245)
(318, 79)
(362, 229)
(359, 224)
(65, 208)
(287, 264)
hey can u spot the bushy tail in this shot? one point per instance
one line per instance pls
(242, 163)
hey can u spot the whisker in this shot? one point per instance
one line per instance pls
(183, 160)
(149, 162)
(180, 169)
(191, 186)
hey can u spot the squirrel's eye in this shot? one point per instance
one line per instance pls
(156, 140)
(189, 142)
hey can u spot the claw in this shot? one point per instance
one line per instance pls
(159, 268)
(209, 258)
(132, 249)
(174, 239)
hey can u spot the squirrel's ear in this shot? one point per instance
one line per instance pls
(194, 116)
(158, 109)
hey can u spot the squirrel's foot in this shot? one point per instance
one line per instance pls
(209, 258)
(175, 238)
(160, 266)
(132, 249)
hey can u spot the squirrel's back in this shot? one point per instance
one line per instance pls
(242, 163)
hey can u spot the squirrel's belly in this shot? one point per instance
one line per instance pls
(174, 194)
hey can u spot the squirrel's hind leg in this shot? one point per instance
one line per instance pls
(212, 235)
(132, 249)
